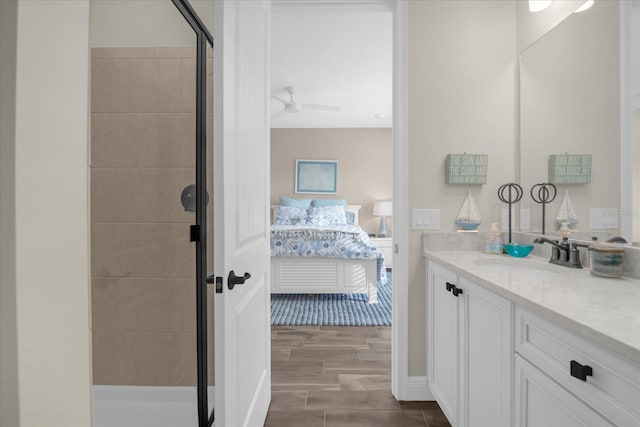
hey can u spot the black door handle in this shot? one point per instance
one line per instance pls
(456, 291)
(450, 286)
(234, 280)
(581, 372)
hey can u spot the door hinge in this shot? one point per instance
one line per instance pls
(194, 233)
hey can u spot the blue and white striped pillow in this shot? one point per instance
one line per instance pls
(327, 215)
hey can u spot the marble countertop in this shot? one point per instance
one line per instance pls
(605, 311)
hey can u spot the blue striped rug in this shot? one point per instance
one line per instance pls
(332, 309)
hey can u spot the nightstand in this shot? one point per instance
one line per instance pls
(385, 244)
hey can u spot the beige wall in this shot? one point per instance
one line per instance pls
(9, 392)
(531, 26)
(143, 265)
(144, 23)
(44, 216)
(365, 160)
(461, 99)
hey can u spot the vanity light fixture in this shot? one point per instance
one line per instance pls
(538, 5)
(586, 5)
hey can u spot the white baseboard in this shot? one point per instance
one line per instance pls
(417, 389)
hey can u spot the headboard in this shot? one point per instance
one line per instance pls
(349, 208)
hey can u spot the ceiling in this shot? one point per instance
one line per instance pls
(336, 53)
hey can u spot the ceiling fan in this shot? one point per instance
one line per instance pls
(291, 106)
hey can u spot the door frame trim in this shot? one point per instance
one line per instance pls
(400, 128)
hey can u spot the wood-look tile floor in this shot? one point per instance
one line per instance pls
(339, 376)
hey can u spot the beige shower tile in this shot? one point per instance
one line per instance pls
(109, 250)
(143, 305)
(175, 52)
(188, 85)
(109, 140)
(153, 85)
(142, 250)
(139, 195)
(122, 52)
(145, 359)
(109, 85)
(159, 250)
(161, 140)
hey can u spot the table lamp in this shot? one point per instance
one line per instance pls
(383, 210)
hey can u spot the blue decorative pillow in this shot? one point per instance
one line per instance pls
(328, 202)
(288, 215)
(296, 203)
(327, 215)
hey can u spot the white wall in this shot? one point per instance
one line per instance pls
(48, 216)
(531, 26)
(461, 99)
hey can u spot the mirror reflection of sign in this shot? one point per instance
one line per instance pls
(570, 168)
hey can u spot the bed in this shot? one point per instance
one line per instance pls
(304, 258)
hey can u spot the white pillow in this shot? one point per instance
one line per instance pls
(327, 215)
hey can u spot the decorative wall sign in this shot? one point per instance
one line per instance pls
(317, 176)
(466, 168)
(570, 168)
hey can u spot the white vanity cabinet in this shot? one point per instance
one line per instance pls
(469, 350)
(564, 380)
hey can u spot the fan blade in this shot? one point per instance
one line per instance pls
(320, 107)
(277, 98)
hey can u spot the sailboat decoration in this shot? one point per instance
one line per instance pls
(468, 217)
(566, 214)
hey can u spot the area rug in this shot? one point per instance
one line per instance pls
(332, 309)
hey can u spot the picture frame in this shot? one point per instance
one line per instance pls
(316, 176)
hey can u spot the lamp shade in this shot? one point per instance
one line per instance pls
(382, 209)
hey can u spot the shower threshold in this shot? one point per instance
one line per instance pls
(140, 406)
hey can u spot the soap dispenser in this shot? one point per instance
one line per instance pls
(493, 242)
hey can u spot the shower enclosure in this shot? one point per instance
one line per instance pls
(151, 213)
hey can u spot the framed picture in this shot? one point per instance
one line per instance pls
(317, 176)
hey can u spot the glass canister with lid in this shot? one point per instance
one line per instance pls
(606, 259)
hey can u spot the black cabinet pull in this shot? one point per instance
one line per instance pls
(456, 291)
(581, 372)
(450, 286)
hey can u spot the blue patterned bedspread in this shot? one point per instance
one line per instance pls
(331, 241)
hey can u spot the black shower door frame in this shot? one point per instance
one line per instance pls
(198, 231)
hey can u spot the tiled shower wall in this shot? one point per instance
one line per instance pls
(142, 156)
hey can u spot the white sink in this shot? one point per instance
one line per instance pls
(518, 267)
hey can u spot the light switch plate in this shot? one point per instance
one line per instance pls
(426, 219)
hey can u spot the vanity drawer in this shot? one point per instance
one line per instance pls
(613, 388)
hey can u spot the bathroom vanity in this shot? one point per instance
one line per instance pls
(521, 342)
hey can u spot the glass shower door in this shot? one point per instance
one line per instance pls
(143, 202)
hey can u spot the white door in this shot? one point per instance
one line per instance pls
(241, 212)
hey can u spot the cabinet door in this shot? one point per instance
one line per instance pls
(442, 340)
(486, 354)
(541, 402)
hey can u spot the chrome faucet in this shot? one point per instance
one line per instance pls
(563, 253)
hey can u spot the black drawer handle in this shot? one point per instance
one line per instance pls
(456, 291)
(581, 372)
(450, 286)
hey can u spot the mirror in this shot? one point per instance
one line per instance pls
(570, 102)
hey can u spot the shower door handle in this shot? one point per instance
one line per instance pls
(234, 280)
